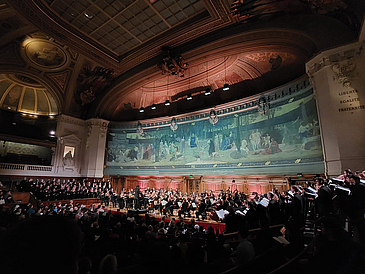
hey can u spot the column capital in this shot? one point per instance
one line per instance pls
(340, 59)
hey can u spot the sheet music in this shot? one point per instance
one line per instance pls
(243, 213)
(264, 202)
(179, 203)
(163, 202)
(312, 189)
(341, 188)
(281, 240)
(221, 213)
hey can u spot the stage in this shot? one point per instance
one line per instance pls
(217, 226)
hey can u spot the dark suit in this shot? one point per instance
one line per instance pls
(184, 208)
(137, 193)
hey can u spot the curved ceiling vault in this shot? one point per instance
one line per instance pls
(248, 44)
(273, 59)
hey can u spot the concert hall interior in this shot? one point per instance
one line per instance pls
(198, 112)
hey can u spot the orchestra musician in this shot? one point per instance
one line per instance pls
(183, 208)
(137, 194)
(202, 207)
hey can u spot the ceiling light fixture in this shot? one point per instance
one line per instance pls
(89, 16)
(141, 109)
(154, 106)
(207, 90)
(189, 95)
(226, 85)
(167, 103)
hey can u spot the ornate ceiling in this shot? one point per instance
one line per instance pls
(103, 58)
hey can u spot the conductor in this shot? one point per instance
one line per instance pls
(137, 193)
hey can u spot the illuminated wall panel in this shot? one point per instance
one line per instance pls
(275, 133)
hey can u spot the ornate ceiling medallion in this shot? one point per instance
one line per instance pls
(44, 54)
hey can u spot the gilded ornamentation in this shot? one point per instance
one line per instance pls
(172, 65)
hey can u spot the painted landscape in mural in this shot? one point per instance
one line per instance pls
(288, 130)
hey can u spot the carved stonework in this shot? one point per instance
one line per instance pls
(71, 120)
(343, 71)
(104, 127)
(90, 83)
(172, 65)
(222, 12)
(342, 63)
(73, 54)
(97, 122)
(60, 79)
(10, 56)
(102, 124)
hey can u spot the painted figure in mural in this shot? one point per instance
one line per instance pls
(303, 133)
(135, 153)
(252, 140)
(266, 141)
(183, 144)
(211, 147)
(147, 153)
(244, 146)
(153, 155)
(216, 142)
(193, 140)
(274, 146)
(257, 139)
(284, 132)
(231, 137)
(111, 155)
(225, 143)
(162, 152)
(315, 126)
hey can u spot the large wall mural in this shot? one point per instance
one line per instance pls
(284, 134)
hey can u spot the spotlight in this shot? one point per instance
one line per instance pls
(141, 109)
(207, 91)
(189, 97)
(88, 16)
(167, 103)
(153, 106)
(226, 87)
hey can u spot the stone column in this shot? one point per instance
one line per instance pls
(93, 164)
(338, 79)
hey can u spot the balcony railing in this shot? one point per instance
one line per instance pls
(24, 169)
